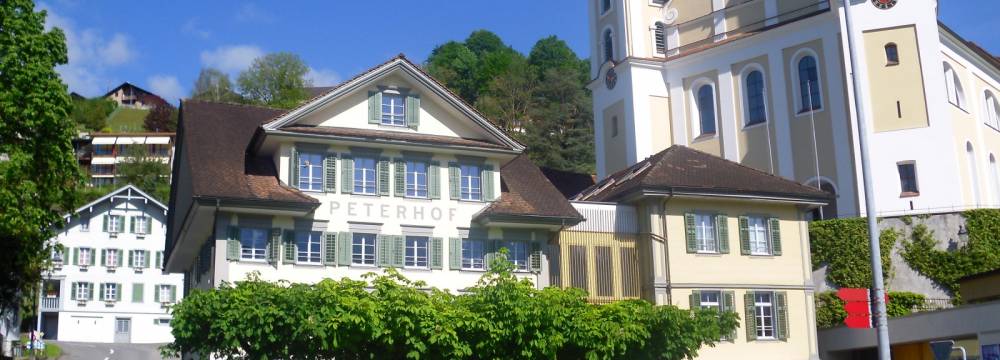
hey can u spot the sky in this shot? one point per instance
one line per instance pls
(161, 45)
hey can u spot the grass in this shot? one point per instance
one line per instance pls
(125, 119)
(52, 351)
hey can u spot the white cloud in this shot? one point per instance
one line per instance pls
(167, 86)
(192, 27)
(116, 51)
(323, 77)
(231, 58)
(90, 53)
(250, 12)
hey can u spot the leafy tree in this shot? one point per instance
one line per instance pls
(92, 114)
(276, 80)
(38, 172)
(455, 66)
(214, 85)
(509, 97)
(483, 42)
(551, 53)
(146, 172)
(161, 118)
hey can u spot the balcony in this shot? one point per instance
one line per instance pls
(50, 304)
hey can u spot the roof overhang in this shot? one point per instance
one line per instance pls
(526, 221)
(646, 192)
(127, 192)
(259, 139)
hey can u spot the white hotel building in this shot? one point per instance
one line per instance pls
(766, 83)
(107, 283)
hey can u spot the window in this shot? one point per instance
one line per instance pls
(908, 179)
(517, 253)
(760, 243)
(253, 243)
(82, 291)
(115, 223)
(992, 115)
(416, 179)
(764, 314)
(891, 54)
(706, 109)
(57, 255)
(705, 233)
(473, 255)
(161, 321)
(85, 256)
(139, 258)
(953, 86)
(995, 179)
(102, 169)
(659, 38)
(809, 95)
(363, 249)
(614, 126)
(605, 6)
(710, 300)
(84, 224)
(141, 225)
(471, 182)
(393, 109)
(110, 292)
(103, 150)
(756, 112)
(364, 175)
(609, 47)
(973, 172)
(310, 171)
(308, 246)
(164, 293)
(111, 258)
(416, 252)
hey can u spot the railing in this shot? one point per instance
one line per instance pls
(50, 303)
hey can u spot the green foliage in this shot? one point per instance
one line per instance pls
(51, 351)
(275, 80)
(125, 119)
(161, 118)
(214, 85)
(843, 245)
(980, 254)
(92, 114)
(148, 173)
(502, 317)
(830, 309)
(38, 171)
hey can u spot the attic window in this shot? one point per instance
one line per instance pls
(393, 109)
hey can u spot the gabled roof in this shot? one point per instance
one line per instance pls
(398, 63)
(355, 133)
(990, 59)
(526, 194)
(680, 170)
(128, 84)
(129, 190)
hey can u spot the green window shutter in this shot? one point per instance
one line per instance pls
(435, 253)
(121, 224)
(346, 175)
(399, 250)
(453, 176)
(399, 174)
(274, 246)
(290, 247)
(72, 292)
(131, 224)
(149, 225)
(722, 233)
(330, 173)
(92, 257)
(535, 258)
(76, 256)
(104, 227)
(233, 244)
(728, 301)
(137, 293)
(329, 248)
(694, 300)
(750, 322)
(689, 230)
(781, 315)
(382, 250)
(413, 111)
(487, 188)
(159, 259)
(293, 169)
(344, 248)
(374, 107)
(454, 253)
(130, 256)
(100, 291)
(173, 293)
(775, 225)
(744, 235)
(383, 177)
(104, 256)
(146, 265)
(434, 180)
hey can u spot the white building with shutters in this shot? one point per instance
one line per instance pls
(107, 283)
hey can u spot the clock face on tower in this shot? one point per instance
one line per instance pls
(884, 4)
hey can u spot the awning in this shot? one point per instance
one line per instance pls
(104, 140)
(158, 140)
(102, 160)
(130, 140)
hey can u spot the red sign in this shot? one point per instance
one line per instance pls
(857, 304)
(853, 294)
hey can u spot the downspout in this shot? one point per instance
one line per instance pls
(666, 247)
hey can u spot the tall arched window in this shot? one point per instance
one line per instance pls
(756, 111)
(660, 38)
(956, 96)
(605, 6)
(992, 114)
(809, 94)
(609, 46)
(891, 54)
(706, 109)
(995, 180)
(973, 174)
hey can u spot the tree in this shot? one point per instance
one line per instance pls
(276, 80)
(214, 85)
(509, 98)
(92, 114)
(161, 118)
(146, 172)
(38, 171)
(454, 65)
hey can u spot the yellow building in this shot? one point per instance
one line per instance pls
(690, 229)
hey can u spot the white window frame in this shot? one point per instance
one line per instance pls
(113, 221)
(369, 252)
(253, 253)
(82, 291)
(305, 254)
(391, 117)
(163, 293)
(466, 190)
(991, 110)
(470, 249)
(517, 254)
(697, 132)
(706, 234)
(745, 90)
(310, 172)
(139, 259)
(142, 225)
(706, 302)
(759, 234)
(763, 309)
(111, 258)
(110, 292)
(796, 85)
(413, 188)
(953, 86)
(411, 256)
(84, 256)
(368, 176)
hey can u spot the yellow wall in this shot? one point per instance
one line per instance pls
(693, 24)
(745, 18)
(615, 147)
(661, 128)
(711, 144)
(791, 9)
(803, 155)
(754, 144)
(964, 127)
(892, 83)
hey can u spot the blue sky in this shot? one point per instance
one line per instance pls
(161, 45)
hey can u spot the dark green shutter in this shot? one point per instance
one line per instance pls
(137, 293)
(159, 259)
(383, 177)
(104, 256)
(290, 247)
(72, 294)
(233, 244)
(775, 225)
(750, 322)
(722, 233)
(453, 179)
(76, 256)
(119, 289)
(274, 246)
(293, 173)
(727, 305)
(329, 248)
(694, 300)
(744, 235)
(147, 259)
(104, 227)
(435, 253)
(90, 291)
(399, 175)
(346, 175)
(399, 250)
(487, 181)
(454, 253)
(535, 258)
(130, 258)
(121, 223)
(781, 315)
(131, 224)
(374, 107)
(344, 248)
(412, 111)
(691, 235)
(330, 173)
(383, 256)
(434, 180)
(173, 293)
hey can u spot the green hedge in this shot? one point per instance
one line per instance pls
(842, 244)
(830, 309)
(980, 254)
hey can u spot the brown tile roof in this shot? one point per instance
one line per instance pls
(314, 91)
(216, 136)
(392, 136)
(567, 182)
(526, 192)
(681, 169)
(978, 50)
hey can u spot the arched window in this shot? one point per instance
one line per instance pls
(605, 6)
(891, 54)
(609, 47)
(956, 96)
(829, 211)
(809, 94)
(973, 178)
(992, 114)
(756, 111)
(659, 38)
(706, 109)
(995, 180)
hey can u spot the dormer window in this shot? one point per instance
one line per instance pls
(390, 106)
(393, 109)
